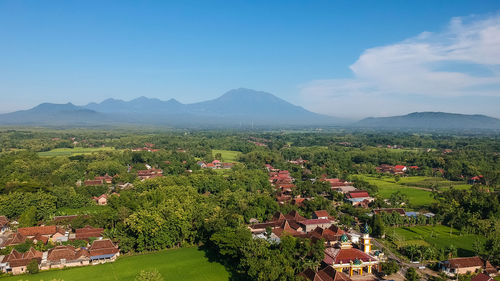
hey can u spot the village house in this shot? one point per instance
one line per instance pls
(16, 263)
(44, 233)
(280, 224)
(14, 239)
(216, 164)
(326, 274)
(149, 173)
(65, 256)
(456, 266)
(331, 235)
(102, 200)
(293, 224)
(311, 224)
(102, 251)
(395, 170)
(359, 198)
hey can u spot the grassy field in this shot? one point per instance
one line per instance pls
(227, 155)
(387, 186)
(437, 236)
(73, 151)
(414, 187)
(178, 264)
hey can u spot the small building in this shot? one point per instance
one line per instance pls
(359, 198)
(66, 256)
(102, 251)
(380, 211)
(101, 200)
(311, 224)
(14, 239)
(463, 265)
(16, 262)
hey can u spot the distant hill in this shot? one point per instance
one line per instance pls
(432, 120)
(239, 107)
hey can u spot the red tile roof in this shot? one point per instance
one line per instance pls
(482, 277)
(320, 214)
(43, 230)
(315, 221)
(465, 262)
(103, 247)
(15, 239)
(67, 252)
(358, 194)
(88, 232)
(16, 259)
(338, 256)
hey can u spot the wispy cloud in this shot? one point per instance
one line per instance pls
(460, 62)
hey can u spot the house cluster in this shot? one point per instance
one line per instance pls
(338, 184)
(350, 258)
(99, 180)
(216, 164)
(284, 184)
(150, 173)
(60, 256)
(258, 141)
(395, 170)
(149, 147)
(319, 226)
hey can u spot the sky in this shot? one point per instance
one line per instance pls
(349, 59)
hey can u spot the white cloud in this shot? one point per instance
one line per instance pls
(462, 60)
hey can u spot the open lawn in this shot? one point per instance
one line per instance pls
(73, 151)
(437, 236)
(227, 155)
(178, 264)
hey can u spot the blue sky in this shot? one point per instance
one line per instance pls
(343, 58)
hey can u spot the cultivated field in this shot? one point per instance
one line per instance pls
(417, 188)
(227, 155)
(437, 236)
(73, 151)
(178, 264)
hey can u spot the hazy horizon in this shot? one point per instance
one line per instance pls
(338, 59)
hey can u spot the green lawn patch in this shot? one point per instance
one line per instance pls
(437, 236)
(73, 151)
(387, 185)
(178, 264)
(227, 155)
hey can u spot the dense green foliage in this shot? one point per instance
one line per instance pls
(194, 206)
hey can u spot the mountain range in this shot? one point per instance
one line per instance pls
(432, 120)
(238, 108)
